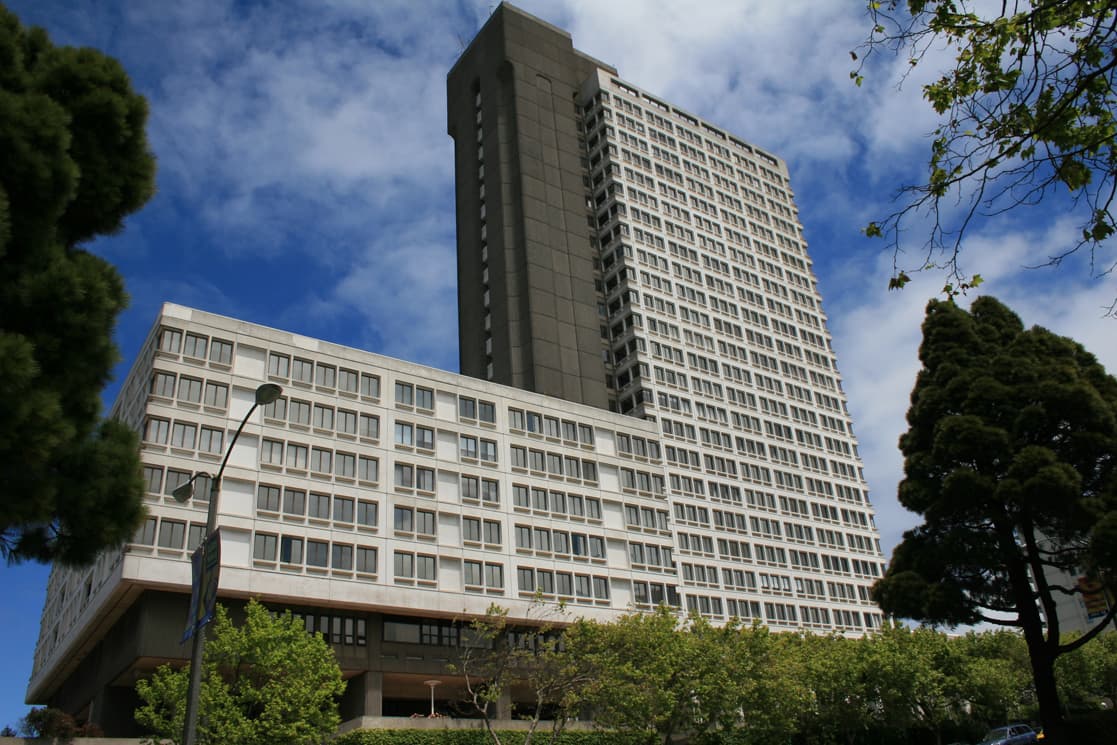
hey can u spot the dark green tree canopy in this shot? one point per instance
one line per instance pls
(1011, 459)
(75, 163)
(1027, 112)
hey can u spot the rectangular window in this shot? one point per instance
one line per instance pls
(277, 409)
(593, 508)
(300, 412)
(471, 529)
(321, 460)
(467, 407)
(424, 479)
(343, 510)
(163, 384)
(425, 567)
(195, 534)
(487, 450)
(470, 487)
(176, 479)
(370, 385)
(298, 456)
(405, 434)
(424, 438)
(369, 426)
(263, 547)
(267, 498)
(319, 506)
(302, 371)
(317, 553)
(345, 465)
(170, 341)
(221, 352)
(366, 559)
(279, 365)
(486, 412)
(347, 380)
(601, 588)
(404, 564)
(171, 533)
(271, 452)
(525, 579)
(404, 519)
(569, 430)
(582, 585)
(211, 441)
(424, 522)
(515, 419)
(585, 434)
(153, 479)
(183, 435)
(492, 532)
(467, 446)
(405, 394)
(523, 536)
(368, 469)
(291, 550)
(325, 376)
(195, 346)
(473, 573)
(424, 398)
(341, 556)
(217, 395)
(323, 417)
(490, 491)
(405, 475)
(545, 579)
(294, 502)
(494, 576)
(346, 422)
(519, 456)
(368, 513)
(551, 426)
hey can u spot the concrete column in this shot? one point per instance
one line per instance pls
(374, 693)
(504, 706)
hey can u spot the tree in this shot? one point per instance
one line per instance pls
(76, 162)
(1009, 458)
(263, 682)
(1027, 113)
(54, 724)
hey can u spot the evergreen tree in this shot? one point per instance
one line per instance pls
(1011, 459)
(75, 163)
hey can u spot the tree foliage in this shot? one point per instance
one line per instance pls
(1026, 111)
(75, 163)
(265, 681)
(1009, 458)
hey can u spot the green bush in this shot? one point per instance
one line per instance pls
(475, 737)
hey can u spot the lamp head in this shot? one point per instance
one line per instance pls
(267, 393)
(183, 492)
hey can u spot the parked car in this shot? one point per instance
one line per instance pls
(1012, 734)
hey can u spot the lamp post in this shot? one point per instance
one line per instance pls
(433, 684)
(265, 394)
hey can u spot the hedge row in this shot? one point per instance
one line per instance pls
(477, 737)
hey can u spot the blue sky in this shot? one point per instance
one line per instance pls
(305, 182)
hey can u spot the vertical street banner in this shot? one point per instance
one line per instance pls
(206, 566)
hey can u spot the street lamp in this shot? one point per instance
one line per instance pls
(433, 684)
(265, 394)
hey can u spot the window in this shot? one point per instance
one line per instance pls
(277, 409)
(564, 583)
(471, 529)
(492, 532)
(545, 580)
(366, 559)
(195, 535)
(321, 460)
(263, 547)
(157, 431)
(473, 573)
(346, 422)
(170, 340)
(319, 506)
(404, 519)
(424, 398)
(369, 426)
(221, 352)
(217, 396)
(597, 547)
(486, 412)
(297, 456)
(345, 465)
(585, 434)
(405, 434)
(551, 426)
(176, 479)
(601, 588)
(294, 502)
(211, 440)
(569, 430)
(593, 508)
(425, 567)
(534, 422)
(347, 380)
(267, 498)
(405, 475)
(577, 505)
(163, 384)
(488, 450)
(183, 435)
(467, 446)
(370, 385)
(520, 496)
(525, 579)
(317, 553)
(343, 510)
(323, 417)
(300, 412)
(153, 479)
(424, 522)
(494, 576)
(171, 534)
(291, 550)
(467, 407)
(582, 585)
(368, 513)
(515, 419)
(405, 393)
(302, 371)
(470, 487)
(368, 469)
(325, 375)
(341, 557)
(279, 365)
(424, 438)
(195, 346)
(554, 464)
(519, 456)
(404, 564)
(542, 539)
(424, 479)
(490, 491)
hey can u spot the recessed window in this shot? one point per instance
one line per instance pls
(221, 352)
